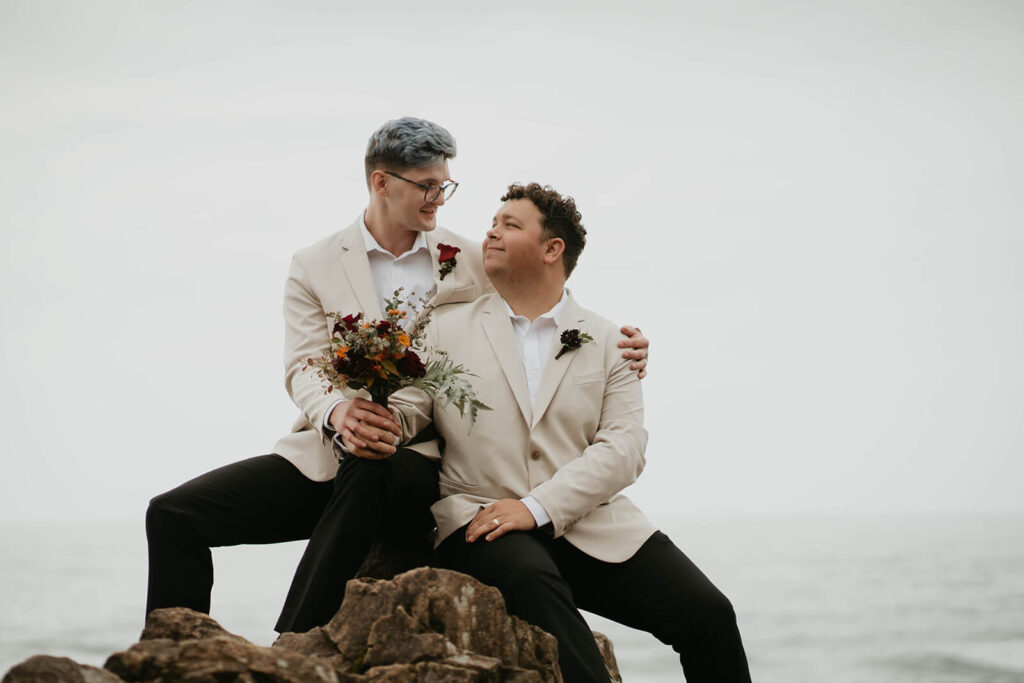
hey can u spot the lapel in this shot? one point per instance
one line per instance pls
(498, 329)
(554, 370)
(357, 269)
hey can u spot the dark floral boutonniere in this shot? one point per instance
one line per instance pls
(572, 340)
(447, 258)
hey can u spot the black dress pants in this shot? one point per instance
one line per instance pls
(385, 499)
(265, 500)
(260, 500)
(658, 590)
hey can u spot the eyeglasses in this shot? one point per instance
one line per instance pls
(431, 192)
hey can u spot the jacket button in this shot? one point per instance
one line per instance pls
(535, 455)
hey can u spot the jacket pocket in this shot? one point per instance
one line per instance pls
(451, 486)
(589, 377)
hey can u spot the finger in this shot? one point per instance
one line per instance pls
(500, 531)
(365, 433)
(481, 524)
(642, 374)
(477, 529)
(379, 411)
(472, 528)
(370, 433)
(379, 421)
(350, 440)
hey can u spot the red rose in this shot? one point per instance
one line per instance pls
(448, 252)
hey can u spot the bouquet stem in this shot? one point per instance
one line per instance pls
(380, 399)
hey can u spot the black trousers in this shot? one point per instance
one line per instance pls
(386, 499)
(658, 590)
(257, 501)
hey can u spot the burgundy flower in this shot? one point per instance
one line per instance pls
(447, 258)
(572, 340)
(355, 365)
(410, 365)
(383, 326)
(350, 322)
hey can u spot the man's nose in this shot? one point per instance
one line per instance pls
(438, 200)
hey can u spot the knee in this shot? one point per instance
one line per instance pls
(532, 581)
(355, 468)
(711, 613)
(719, 612)
(165, 515)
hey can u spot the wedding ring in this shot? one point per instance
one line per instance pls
(497, 523)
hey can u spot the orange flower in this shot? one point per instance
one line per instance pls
(404, 340)
(342, 350)
(395, 311)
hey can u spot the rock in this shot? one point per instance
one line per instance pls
(424, 625)
(180, 623)
(604, 644)
(215, 659)
(312, 643)
(46, 669)
(381, 622)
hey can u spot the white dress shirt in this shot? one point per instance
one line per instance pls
(535, 341)
(413, 271)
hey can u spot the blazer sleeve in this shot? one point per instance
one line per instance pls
(306, 336)
(613, 460)
(414, 409)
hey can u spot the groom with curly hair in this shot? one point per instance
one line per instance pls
(531, 495)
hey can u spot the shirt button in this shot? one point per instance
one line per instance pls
(535, 455)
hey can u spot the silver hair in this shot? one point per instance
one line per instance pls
(409, 142)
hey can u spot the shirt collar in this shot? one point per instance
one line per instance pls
(372, 244)
(554, 314)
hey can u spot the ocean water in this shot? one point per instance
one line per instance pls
(843, 600)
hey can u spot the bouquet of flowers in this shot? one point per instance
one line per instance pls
(382, 357)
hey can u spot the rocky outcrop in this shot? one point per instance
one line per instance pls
(424, 625)
(46, 669)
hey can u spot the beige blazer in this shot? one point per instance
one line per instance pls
(333, 275)
(574, 451)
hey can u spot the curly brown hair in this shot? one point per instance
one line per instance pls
(560, 218)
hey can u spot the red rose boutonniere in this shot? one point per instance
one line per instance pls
(572, 340)
(447, 258)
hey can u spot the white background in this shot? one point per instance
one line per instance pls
(814, 211)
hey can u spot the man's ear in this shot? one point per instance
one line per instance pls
(553, 249)
(379, 183)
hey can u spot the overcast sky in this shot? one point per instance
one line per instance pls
(815, 211)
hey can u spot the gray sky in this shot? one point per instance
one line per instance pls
(814, 210)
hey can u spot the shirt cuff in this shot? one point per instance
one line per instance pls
(327, 414)
(540, 515)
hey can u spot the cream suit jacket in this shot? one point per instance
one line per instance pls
(333, 275)
(581, 444)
